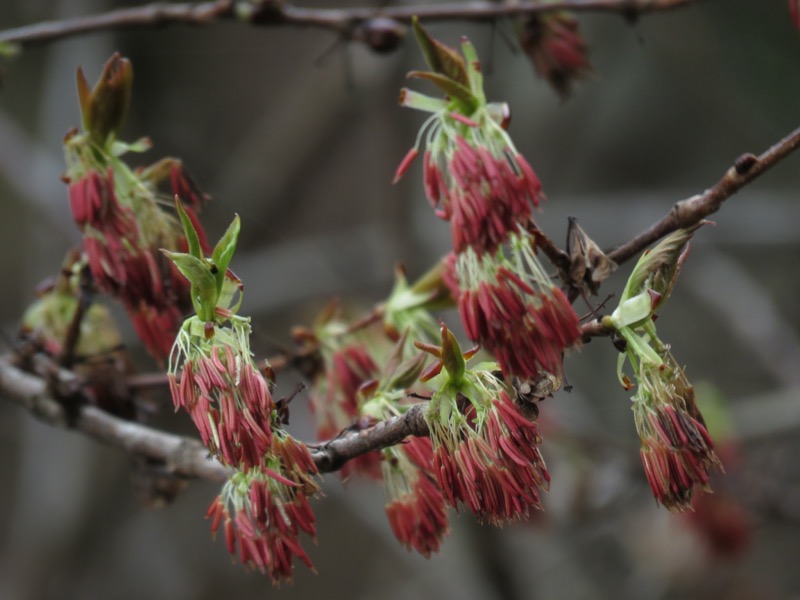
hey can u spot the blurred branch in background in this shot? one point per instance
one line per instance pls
(375, 27)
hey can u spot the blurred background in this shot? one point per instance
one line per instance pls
(302, 141)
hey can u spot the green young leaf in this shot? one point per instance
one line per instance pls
(450, 87)
(204, 286)
(474, 73)
(408, 372)
(223, 251)
(658, 267)
(84, 98)
(452, 357)
(189, 231)
(231, 290)
(440, 58)
(632, 311)
(411, 99)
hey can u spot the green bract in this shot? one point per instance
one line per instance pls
(459, 77)
(648, 287)
(210, 286)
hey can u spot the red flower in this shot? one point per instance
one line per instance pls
(676, 450)
(230, 404)
(557, 49)
(510, 306)
(677, 454)
(449, 275)
(416, 509)
(263, 517)
(491, 463)
(484, 194)
(794, 11)
(155, 328)
(124, 264)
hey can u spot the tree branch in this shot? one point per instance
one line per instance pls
(332, 455)
(341, 20)
(184, 456)
(693, 210)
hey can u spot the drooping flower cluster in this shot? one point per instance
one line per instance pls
(473, 175)
(213, 376)
(118, 212)
(264, 511)
(351, 392)
(415, 507)
(349, 354)
(223, 391)
(475, 179)
(486, 452)
(676, 450)
(511, 307)
(415, 504)
(556, 48)
(482, 187)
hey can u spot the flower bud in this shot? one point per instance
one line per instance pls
(105, 106)
(380, 34)
(556, 48)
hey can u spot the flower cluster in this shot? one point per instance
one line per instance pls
(350, 391)
(416, 506)
(348, 374)
(676, 450)
(556, 48)
(213, 376)
(118, 212)
(335, 393)
(264, 512)
(486, 452)
(511, 307)
(222, 390)
(475, 179)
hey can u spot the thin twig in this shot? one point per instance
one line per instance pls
(693, 210)
(688, 212)
(147, 16)
(185, 456)
(332, 455)
(345, 21)
(85, 297)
